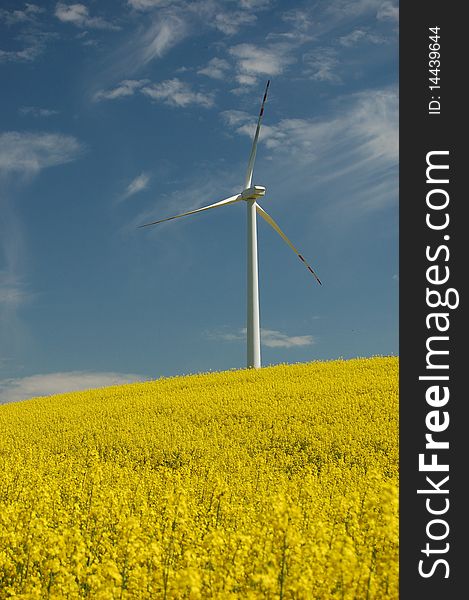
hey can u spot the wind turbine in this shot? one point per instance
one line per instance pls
(250, 195)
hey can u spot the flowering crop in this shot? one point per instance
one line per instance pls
(273, 483)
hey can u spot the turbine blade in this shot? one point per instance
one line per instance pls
(273, 224)
(252, 157)
(229, 200)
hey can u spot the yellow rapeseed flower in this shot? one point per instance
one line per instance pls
(279, 483)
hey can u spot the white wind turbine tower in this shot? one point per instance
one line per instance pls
(250, 195)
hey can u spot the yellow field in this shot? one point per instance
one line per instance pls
(277, 483)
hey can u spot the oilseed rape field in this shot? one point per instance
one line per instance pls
(277, 483)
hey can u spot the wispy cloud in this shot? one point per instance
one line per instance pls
(204, 7)
(369, 125)
(13, 390)
(269, 338)
(138, 184)
(27, 54)
(168, 23)
(330, 19)
(358, 36)
(356, 146)
(216, 68)
(230, 22)
(253, 61)
(29, 152)
(276, 339)
(27, 33)
(151, 39)
(190, 193)
(175, 92)
(127, 87)
(12, 291)
(164, 33)
(351, 9)
(79, 15)
(36, 111)
(255, 4)
(22, 155)
(299, 19)
(388, 11)
(145, 5)
(321, 64)
(32, 42)
(27, 15)
(212, 14)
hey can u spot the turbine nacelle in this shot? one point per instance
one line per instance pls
(253, 192)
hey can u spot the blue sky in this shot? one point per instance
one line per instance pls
(118, 113)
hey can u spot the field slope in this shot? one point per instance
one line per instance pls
(276, 483)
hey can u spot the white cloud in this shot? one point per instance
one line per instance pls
(244, 79)
(299, 19)
(355, 147)
(216, 68)
(167, 31)
(276, 339)
(33, 9)
(175, 92)
(149, 4)
(321, 65)
(152, 38)
(253, 61)
(36, 111)
(269, 338)
(369, 125)
(128, 87)
(137, 185)
(168, 23)
(239, 119)
(34, 43)
(229, 23)
(354, 8)
(13, 390)
(78, 15)
(255, 4)
(374, 122)
(388, 11)
(327, 19)
(360, 35)
(26, 54)
(27, 15)
(30, 152)
(220, 16)
(204, 7)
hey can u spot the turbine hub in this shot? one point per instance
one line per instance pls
(253, 192)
